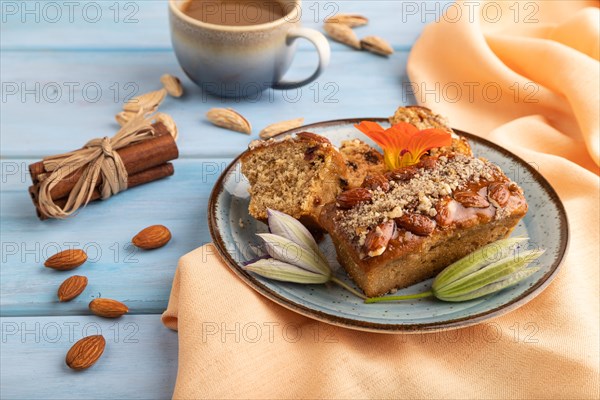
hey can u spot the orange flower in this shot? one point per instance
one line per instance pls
(403, 144)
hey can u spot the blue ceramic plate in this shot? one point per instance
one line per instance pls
(233, 232)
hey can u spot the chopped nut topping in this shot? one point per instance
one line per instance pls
(417, 192)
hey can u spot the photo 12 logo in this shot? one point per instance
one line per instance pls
(67, 331)
(487, 11)
(54, 12)
(470, 92)
(268, 332)
(254, 92)
(70, 92)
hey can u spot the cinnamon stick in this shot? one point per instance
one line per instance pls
(149, 175)
(136, 158)
(38, 172)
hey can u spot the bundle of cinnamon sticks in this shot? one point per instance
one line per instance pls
(145, 161)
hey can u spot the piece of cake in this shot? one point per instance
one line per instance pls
(424, 118)
(361, 160)
(407, 225)
(295, 175)
(421, 117)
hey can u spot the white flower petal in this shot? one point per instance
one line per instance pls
(475, 261)
(511, 280)
(275, 269)
(290, 228)
(285, 250)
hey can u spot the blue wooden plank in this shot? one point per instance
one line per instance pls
(139, 362)
(121, 59)
(144, 24)
(64, 99)
(115, 269)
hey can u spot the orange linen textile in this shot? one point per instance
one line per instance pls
(233, 343)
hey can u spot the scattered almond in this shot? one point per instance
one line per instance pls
(350, 20)
(376, 45)
(147, 102)
(416, 223)
(278, 127)
(470, 199)
(108, 308)
(343, 34)
(172, 85)
(229, 119)
(152, 237)
(85, 352)
(168, 122)
(353, 197)
(377, 240)
(66, 260)
(72, 287)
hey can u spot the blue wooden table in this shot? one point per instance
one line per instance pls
(66, 68)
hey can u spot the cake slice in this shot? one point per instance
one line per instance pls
(295, 175)
(362, 160)
(407, 225)
(424, 118)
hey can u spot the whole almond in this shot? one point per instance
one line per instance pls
(152, 237)
(352, 197)
(312, 137)
(470, 199)
(343, 34)
(444, 215)
(278, 127)
(168, 122)
(229, 119)
(350, 20)
(498, 194)
(72, 287)
(108, 308)
(172, 85)
(376, 181)
(416, 223)
(376, 45)
(377, 240)
(402, 174)
(85, 352)
(66, 260)
(147, 102)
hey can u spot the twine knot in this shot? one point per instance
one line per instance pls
(99, 162)
(106, 146)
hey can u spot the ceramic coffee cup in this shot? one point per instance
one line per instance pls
(241, 61)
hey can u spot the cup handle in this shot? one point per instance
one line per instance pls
(322, 46)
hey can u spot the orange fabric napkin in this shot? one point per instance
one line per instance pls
(235, 344)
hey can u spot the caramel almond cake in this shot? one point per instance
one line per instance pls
(392, 227)
(407, 225)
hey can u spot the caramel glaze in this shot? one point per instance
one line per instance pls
(452, 217)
